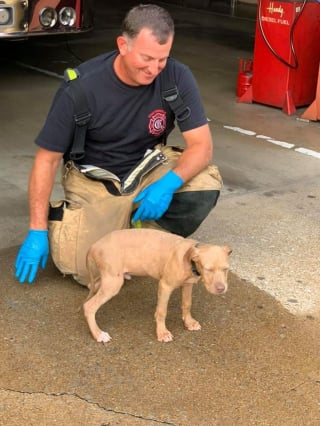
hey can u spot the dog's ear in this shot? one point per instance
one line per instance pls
(227, 249)
(189, 255)
(181, 257)
(193, 253)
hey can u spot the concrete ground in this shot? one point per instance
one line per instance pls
(256, 359)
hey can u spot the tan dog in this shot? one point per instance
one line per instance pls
(173, 260)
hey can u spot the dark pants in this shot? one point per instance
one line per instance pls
(187, 211)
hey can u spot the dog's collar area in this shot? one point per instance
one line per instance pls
(194, 269)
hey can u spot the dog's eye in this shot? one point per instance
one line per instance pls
(213, 269)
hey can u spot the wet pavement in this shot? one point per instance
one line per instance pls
(256, 359)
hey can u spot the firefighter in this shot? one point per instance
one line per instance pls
(130, 121)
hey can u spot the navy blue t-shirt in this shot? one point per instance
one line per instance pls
(126, 120)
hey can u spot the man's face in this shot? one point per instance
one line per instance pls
(142, 58)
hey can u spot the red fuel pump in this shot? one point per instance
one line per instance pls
(286, 53)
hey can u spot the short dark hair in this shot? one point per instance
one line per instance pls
(150, 16)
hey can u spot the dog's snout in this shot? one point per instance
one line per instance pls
(220, 288)
(216, 288)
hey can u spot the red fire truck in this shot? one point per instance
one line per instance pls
(26, 18)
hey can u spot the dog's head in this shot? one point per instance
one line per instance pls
(212, 263)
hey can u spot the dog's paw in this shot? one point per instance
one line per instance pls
(165, 336)
(193, 325)
(104, 337)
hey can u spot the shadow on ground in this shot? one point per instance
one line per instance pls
(253, 363)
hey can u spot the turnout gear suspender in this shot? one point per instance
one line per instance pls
(170, 93)
(82, 115)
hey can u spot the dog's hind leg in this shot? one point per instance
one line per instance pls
(164, 293)
(94, 276)
(189, 322)
(93, 288)
(109, 287)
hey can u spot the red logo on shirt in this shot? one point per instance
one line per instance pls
(157, 122)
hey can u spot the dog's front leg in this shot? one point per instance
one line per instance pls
(189, 322)
(164, 293)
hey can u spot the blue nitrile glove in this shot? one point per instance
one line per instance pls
(155, 198)
(33, 252)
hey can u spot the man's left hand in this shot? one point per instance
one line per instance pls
(156, 198)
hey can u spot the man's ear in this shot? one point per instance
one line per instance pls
(122, 44)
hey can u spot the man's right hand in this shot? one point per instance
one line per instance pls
(33, 252)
